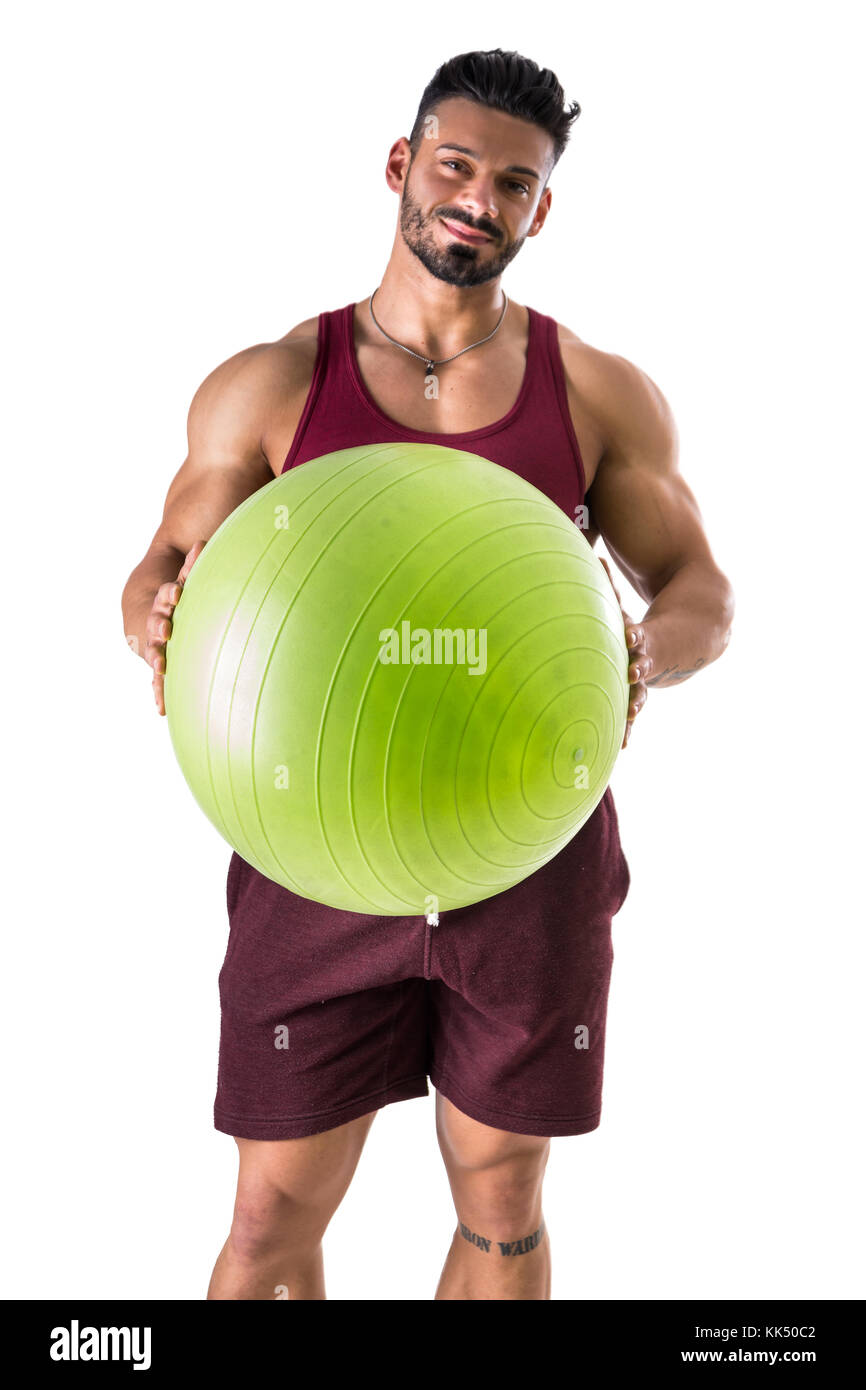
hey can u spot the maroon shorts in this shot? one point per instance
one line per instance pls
(327, 1015)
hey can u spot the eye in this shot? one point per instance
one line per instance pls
(511, 183)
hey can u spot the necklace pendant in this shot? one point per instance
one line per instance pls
(428, 368)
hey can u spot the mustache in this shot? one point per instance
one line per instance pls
(455, 215)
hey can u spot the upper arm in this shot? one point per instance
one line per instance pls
(642, 506)
(225, 462)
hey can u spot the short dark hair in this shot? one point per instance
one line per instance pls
(507, 82)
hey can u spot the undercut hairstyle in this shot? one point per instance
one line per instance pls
(505, 81)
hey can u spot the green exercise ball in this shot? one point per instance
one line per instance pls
(397, 680)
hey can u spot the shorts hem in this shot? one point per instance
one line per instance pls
(513, 1122)
(302, 1126)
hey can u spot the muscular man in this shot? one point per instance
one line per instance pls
(485, 1002)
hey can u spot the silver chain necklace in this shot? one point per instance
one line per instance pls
(429, 362)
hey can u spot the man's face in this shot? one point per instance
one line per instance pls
(473, 193)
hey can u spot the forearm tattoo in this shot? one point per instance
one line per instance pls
(506, 1247)
(672, 674)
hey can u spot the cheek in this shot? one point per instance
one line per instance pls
(437, 190)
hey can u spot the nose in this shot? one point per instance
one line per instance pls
(478, 199)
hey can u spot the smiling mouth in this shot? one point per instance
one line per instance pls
(464, 234)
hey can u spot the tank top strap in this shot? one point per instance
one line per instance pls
(326, 342)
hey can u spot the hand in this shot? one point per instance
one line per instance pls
(158, 628)
(641, 665)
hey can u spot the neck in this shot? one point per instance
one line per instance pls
(431, 316)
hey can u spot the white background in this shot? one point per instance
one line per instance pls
(185, 180)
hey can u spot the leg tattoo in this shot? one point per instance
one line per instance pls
(506, 1247)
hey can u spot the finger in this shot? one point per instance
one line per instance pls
(632, 716)
(168, 594)
(162, 610)
(158, 687)
(153, 651)
(158, 626)
(636, 702)
(639, 670)
(635, 634)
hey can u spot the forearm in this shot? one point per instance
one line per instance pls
(688, 624)
(158, 567)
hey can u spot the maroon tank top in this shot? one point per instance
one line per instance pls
(536, 438)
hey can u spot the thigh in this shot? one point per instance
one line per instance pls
(303, 1169)
(468, 1146)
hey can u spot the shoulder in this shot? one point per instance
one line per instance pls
(257, 377)
(286, 366)
(625, 402)
(289, 361)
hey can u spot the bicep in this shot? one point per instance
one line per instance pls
(645, 511)
(225, 462)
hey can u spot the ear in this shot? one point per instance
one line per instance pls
(541, 213)
(397, 167)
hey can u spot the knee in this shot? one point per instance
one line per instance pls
(267, 1221)
(288, 1190)
(495, 1175)
(505, 1192)
(261, 1225)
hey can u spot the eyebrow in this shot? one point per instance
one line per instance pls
(473, 154)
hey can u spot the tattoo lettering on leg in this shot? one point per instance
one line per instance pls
(523, 1246)
(481, 1241)
(506, 1247)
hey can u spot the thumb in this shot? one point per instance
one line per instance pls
(610, 577)
(189, 560)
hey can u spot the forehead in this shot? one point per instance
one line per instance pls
(493, 136)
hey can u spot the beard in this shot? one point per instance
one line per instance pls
(457, 264)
